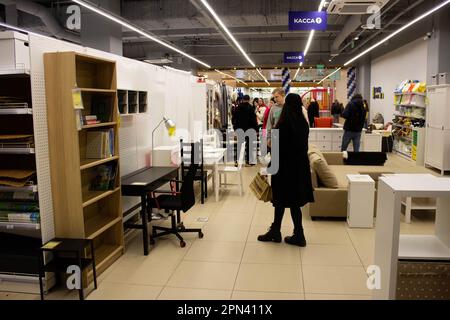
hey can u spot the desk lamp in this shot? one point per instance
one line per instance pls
(170, 126)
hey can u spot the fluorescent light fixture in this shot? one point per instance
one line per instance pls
(216, 17)
(398, 31)
(137, 30)
(330, 75)
(229, 75)
(356, 38)
(178, 70)
(296, 74)
(308, 44)
(321, 5)
(260, 73)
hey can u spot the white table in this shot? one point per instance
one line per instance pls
(213, 157)
(390, 246)
(361, 199)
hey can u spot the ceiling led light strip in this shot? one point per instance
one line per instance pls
(216, 17)
(398, 31)
(311, 34)
(229, 75)
(329, 75)
(260, 73)
(137, 30)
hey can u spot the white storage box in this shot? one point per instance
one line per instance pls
(15, 51)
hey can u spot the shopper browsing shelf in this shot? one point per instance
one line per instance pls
(291, 185)
(355, 116)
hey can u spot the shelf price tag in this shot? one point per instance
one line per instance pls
(77, 99)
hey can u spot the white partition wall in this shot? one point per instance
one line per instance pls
(170, 94)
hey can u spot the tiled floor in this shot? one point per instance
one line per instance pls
(229, 263)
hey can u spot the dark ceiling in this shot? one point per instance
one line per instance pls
(260, 26)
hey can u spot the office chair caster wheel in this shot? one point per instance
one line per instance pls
(181, 226)
(200, 235)
(182, 244)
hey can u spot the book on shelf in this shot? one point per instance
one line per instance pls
(100, 144)
(104, 179)
(19, 206)
(16, 178)
(10, 216)
(18, 195)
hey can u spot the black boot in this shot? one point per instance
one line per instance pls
(297, 239)
(271, 235)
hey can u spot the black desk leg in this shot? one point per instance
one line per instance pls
(144, 223)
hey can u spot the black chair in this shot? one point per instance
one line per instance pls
(201, 174)
(177, 201)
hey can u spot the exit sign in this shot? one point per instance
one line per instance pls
(320, 66)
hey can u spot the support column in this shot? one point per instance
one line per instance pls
(100, 33)
(439, 45)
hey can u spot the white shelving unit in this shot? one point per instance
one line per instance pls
(437, 153)
(15, 66)
(390, 246)
(417, 204)
(361, 199)
(410, 106)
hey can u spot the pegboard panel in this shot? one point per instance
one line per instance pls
(42, 155)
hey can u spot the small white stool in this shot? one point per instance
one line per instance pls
(361, 200)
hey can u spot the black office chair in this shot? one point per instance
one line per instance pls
(201, 174)
(177, 201)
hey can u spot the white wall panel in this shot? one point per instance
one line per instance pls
(406, 63)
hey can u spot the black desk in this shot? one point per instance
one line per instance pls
(139, 183)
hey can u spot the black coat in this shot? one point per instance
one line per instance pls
(245, 117)
(292, 186)
(355, 115)
(313, 112)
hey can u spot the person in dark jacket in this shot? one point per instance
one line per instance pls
(313, 112)
(355, 117)
(291, 185)
(245, 119)
(336, 111)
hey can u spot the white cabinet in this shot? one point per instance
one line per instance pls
(361, 199)
(437, 146)
(15, 51)
(372, 142)
(330, 139)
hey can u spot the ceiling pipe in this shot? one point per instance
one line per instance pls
(211, 21)
(415, 4)
(46, 16)
(352, 24)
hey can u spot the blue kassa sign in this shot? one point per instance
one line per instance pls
(307, 20)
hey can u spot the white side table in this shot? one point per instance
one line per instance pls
(361, 199)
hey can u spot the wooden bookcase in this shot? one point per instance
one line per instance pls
(80, 211)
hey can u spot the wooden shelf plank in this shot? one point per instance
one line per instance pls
(95, 196)
(96, 226)
(98, 125)
(89, 163)
(422, 247)
(94, 90)
(105, 254)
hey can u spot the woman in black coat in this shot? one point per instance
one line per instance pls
(291, 185)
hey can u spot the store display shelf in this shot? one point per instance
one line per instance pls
(19, 225)
(409, 105)
(14, 72)
(13, 111)
(89, 163)
(16, 150)
(406, 155)
(105, 91)
(402, 126)
(96, 226)
(94, 196)
(105, 255)
(422, 247)
(403, 138)
(422, 204)
(410, 94)
(98, 125)
(408, 116)
(30, 188)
